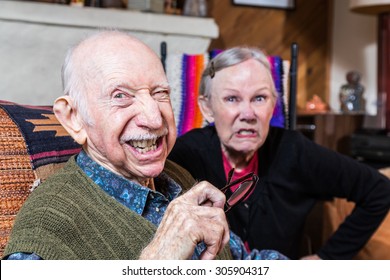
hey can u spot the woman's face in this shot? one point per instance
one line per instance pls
(241, 105)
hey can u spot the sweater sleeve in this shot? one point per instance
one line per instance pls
(329, 174)
(23, 256)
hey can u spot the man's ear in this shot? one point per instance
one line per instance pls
(70, 119)
(204, 105)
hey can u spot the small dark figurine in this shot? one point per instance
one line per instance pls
(351, 94)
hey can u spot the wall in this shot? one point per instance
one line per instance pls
(33, 45)
(332, 40)
(354, 47)
(275, 29)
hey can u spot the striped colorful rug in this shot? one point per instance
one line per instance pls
(46, 140)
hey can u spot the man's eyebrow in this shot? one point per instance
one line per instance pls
(127, 87)
(162, 85)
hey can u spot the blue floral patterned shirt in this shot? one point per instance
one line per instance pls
(151, 205)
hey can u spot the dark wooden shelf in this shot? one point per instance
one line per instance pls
(330, 130)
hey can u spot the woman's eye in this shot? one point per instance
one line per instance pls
(231, 99)
(260, 98)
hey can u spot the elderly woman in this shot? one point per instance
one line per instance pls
(237, 99)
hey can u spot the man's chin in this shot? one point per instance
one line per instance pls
(151, 170)
(148, 165)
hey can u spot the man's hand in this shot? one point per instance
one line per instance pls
(194, 217)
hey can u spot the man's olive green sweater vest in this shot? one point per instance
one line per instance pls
(70, 217)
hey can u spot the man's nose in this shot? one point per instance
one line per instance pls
(149, 113)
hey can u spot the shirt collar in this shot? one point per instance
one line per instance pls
(128, 193)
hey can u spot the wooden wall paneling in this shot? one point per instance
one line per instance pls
(384, 62)
(332, 130)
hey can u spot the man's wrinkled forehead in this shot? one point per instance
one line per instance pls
(113, 52)
(110, 43)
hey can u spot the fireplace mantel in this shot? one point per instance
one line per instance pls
(34, 38)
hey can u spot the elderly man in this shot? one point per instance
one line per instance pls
(119, 198)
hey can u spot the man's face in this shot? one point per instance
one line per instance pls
(241, 106)
(132, 127)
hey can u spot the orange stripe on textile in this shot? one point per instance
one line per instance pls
(195, 65)
(198, 118)
(190, 94)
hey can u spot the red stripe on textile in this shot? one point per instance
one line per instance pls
(55, 153)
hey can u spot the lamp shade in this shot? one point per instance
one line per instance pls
(372, 7)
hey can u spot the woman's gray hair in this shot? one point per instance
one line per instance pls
(228, 58)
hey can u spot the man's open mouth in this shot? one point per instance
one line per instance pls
(146, 145)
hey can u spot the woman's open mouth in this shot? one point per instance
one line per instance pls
(246, 132)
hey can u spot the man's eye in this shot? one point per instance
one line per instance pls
(122, 99)
(119, 95)
(161, 94)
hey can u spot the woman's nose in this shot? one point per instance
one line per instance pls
(246, 111)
